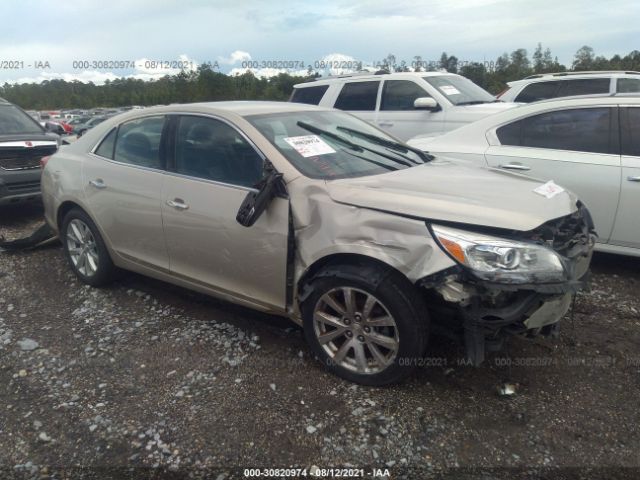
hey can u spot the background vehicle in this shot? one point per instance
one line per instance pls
(82, 128)
(590, 145)
(23, 143)
(568, 84)
(315, 214)
(404, 104)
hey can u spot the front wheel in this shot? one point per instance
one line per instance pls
(366, 323)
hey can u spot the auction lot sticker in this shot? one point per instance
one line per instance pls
(549, 189)
(309, 145)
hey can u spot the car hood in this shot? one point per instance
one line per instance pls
(449, 191)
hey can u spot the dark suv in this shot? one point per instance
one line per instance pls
(23, 142)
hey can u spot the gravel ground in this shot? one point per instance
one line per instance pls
(146, 380)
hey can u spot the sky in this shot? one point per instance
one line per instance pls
(73, 39)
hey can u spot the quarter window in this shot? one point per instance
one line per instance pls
(400, 94)
(538, 91)
(106, 146)
(358, 96)
(210, 149)
(309, 95)
(138, 142)
(581, 130)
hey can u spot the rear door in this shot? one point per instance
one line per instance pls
(212, 167)
(627, 226)
(122, 183)
(576, 148)
(398, 116)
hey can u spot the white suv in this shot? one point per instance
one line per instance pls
(569, 84)
(404, 104)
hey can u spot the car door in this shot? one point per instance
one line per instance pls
(122, 184)
(626, 231)
(398, 116)
(212, 167)
(576, 148)
(359, 97)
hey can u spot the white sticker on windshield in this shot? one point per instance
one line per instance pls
(549, 189)
(449, 90)
(309, 145)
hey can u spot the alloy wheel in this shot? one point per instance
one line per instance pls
(82, 248)
(356, 330)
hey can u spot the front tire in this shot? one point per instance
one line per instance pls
(366, 323)
(85, 250)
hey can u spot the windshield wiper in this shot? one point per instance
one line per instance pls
(389, 144)
(353, 146)
(336, 137)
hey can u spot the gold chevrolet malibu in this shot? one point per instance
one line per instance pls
(316, 215)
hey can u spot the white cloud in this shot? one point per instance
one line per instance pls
(235, 57)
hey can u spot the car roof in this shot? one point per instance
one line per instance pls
(370, 76)
(573, 75)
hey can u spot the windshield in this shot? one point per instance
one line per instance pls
(459, 90)
(330, 145)
(14, 120)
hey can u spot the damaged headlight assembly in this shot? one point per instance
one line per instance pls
(500, 260)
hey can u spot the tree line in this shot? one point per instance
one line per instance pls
(206, 84)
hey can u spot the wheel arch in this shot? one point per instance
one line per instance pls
(336, 260)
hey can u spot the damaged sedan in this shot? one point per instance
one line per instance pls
(316, 215)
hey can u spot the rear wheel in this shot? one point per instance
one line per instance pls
(85, 250)
(366, 323)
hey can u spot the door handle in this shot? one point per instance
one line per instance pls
(515, 166)
(98, 183)
(178, 204)
(634, 179)
(385, 124)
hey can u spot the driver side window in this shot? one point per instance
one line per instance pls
(210, 149)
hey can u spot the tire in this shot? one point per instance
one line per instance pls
(85, 250)
(377, 293)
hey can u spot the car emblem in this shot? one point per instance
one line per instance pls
(28, 144)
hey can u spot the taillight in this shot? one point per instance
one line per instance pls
(43, 161)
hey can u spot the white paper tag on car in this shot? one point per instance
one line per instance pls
(549, 189)
(449, 90)
(309, 145)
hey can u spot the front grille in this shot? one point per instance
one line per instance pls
(19, 187)
(24, 158)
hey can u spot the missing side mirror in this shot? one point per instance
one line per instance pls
(255, 203)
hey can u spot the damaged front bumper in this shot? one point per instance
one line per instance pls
(483, 314)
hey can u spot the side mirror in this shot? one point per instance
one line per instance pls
(255, 203)
(425, 103)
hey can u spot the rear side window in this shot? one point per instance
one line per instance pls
(538, 91)
(628, 85)
(631, 131)
(585, 86)
(15, 121)
(106, 146)
(358, 96)
(309, 95)
(138, 142)
(400, 94)
(580, 130)
(210, 149)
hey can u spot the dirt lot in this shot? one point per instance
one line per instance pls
(146, 380)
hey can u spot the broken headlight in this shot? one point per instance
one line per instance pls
(500, 260)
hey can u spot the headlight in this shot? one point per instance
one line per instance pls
(499, 259)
